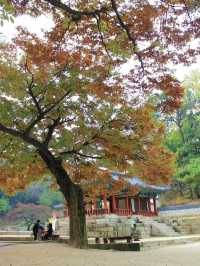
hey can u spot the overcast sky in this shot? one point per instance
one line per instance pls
(36, 25)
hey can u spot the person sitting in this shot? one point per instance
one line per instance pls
(48, 234)
(137, 220)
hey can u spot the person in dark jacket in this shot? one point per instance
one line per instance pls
(48, 234)
(37, 229)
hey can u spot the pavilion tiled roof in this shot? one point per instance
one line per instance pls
(136, 181)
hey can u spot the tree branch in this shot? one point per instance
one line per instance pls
(48, 110)
(50, 131)
(85, 143)
(43, 151)
(126, 29)
(21, 135)
(75, 151)
(53, 164)
(73, 12)
(32, 124)
(30, 89)
(98, 18)
(80, 154)
(96, 14)
(88, 156)
(57, 74)
(34, 99)
(57, 102)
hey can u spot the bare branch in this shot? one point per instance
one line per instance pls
(56, 103)
(50, 131)
(33, 123)
(75, 153)
(98, 19)
(88, 156)
(81, 145)
(96, 14)
(21, 135)
(36, 103)
(73, 12)
(57, 74)
(85, 143)
(30, 89)
(127, 30)
(45, 112)
(53, 164)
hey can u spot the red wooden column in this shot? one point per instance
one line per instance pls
(139, 204)
(105, 201)
(95, 210)
(126, 201)
(65, 212)
(154, 205)
(95, 203)
(149, 205)
(127, 205)
(113, 203)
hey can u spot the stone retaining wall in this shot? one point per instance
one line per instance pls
(109, 226)
(184, 224)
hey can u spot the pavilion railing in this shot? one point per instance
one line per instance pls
(123, 212)
(146, 213)
(120, 212)
(91, 212)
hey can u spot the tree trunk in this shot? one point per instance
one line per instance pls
(197, 192)
(191, 193)
(73, 194)
(78, 235)
(29, 227)
(180, 188)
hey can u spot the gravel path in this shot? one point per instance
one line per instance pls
(53, 254)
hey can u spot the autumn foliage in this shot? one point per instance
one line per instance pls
(68, 110)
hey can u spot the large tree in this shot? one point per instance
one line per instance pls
(183, 136)
(65, 102)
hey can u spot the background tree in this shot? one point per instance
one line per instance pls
(4, 205)
(37, 193)
(183, 137)
(27, 214)
(73, 107)
(6, 12)
(51, 198)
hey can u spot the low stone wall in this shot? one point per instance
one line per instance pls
(183, 223)
(117, 246)
(109, 226)
(108, 230)
(24, 233)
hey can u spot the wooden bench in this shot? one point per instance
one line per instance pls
(55, 237)
(106, 240)
(127, 238)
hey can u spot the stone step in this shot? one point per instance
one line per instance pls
(18, 233)
(16, 238)
(162, 228)
(101, 226)
(146, 244)
(164, 241)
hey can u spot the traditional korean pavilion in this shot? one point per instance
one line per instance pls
(124, 203)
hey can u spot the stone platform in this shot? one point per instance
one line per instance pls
(149, 243)
(143, 244)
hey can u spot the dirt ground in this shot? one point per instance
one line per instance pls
(54, 254)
